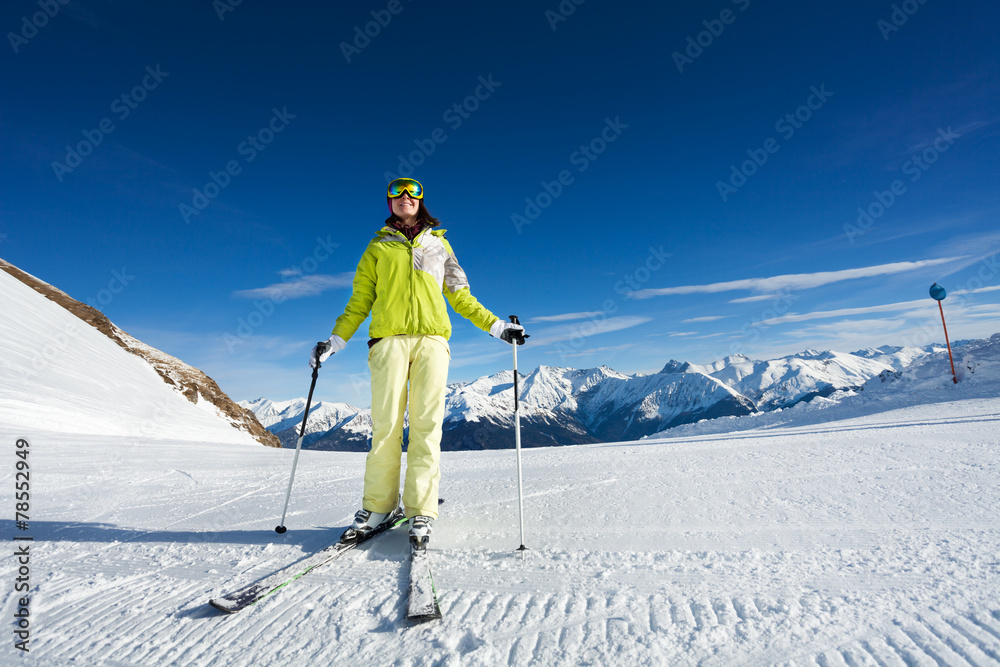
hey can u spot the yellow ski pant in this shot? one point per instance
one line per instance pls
(421, 362)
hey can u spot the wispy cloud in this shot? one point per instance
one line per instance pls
(847, 335)
(298, 287)
(597, 350)
(961, 131)
(710, 318)
(565, 317)
(846, 312)
(987, 310)
(557, 334)
(992, 288)
(973, 248)
(796, 281)
(759, 297)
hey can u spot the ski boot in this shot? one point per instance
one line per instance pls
(366, 522)
(420, 532)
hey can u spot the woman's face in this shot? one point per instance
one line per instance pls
(405, 206)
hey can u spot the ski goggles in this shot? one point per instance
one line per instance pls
(406, 185)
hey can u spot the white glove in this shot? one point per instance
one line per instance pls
(507, 332)
(324, 349)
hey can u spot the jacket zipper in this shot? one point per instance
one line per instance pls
(413, 297)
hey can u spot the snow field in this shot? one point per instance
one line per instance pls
(871, 540)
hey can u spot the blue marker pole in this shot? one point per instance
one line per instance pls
(938, 293)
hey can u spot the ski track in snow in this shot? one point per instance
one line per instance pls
(868, 541)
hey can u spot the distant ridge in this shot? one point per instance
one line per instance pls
(561, 406)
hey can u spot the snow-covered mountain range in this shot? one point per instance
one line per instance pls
(331, 426)
(569, 406)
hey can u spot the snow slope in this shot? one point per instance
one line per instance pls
(866, 539)
(57, 373)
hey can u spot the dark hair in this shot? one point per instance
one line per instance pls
(423, 215)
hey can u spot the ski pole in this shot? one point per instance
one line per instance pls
(517, 444)
(298, 447)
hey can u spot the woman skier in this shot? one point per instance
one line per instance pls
(402, 280)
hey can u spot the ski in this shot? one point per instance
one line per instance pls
(257, 591)
(423, 603)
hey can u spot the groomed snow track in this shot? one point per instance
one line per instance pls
(869, 540)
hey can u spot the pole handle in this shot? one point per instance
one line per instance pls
(513, 320)
(517, 337)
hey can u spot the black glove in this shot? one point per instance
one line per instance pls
(324, 349)
(508, 332)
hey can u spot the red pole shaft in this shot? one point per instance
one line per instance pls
(950, 358)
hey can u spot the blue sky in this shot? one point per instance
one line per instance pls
(637, 182)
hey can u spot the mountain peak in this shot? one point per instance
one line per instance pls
(673, 366)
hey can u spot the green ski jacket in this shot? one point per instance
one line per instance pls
(403, 286)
